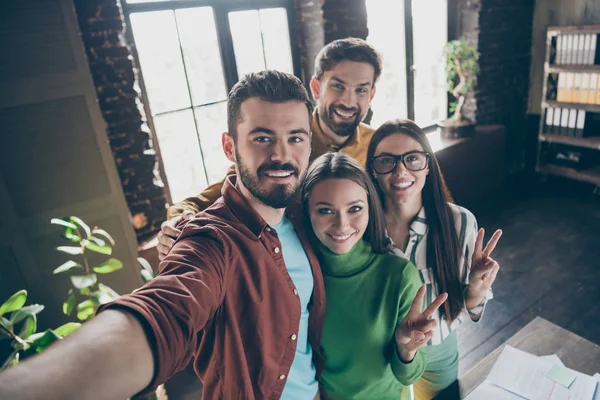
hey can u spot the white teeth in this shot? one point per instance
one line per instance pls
(343, 114)
(402, 185)
(341, 237)
(281, 174)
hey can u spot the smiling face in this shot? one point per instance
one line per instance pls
(339, 213)
(343, 96)
(271, 149)
(401, 185)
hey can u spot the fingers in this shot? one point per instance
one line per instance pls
(187, 214)
(416, 304)
(479, 241)
(492, 243)
(433, 307)
(482, 270)
(491, 277)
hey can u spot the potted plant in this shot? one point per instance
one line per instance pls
(462, 68)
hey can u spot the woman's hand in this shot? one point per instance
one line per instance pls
(483, 269)
(416, 328)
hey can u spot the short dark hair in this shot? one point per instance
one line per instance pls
(268, 85)
(341, 166)
(443, 247)
(349, 49)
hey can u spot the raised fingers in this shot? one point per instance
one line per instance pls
(416, 304)
(491, 245)
(433, 307)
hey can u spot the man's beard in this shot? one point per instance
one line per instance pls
(280, 195)
(340, 129)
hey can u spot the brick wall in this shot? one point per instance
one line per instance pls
(111, 64)
(502, 33)
(344, 18)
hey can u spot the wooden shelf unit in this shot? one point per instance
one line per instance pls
(592, 174)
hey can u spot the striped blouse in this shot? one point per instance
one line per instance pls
(416, 251)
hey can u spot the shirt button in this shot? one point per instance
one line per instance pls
(268, 229)
(276, 250)
(282, 377)
(295, 292)
(293, 337)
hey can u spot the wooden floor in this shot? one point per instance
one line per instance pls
(550, 267)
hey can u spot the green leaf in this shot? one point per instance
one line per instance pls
(67, 328)
(146, 276)
(100, 297)
(70, 249)
(69, 303)
(82, 224)
(85, 291)
(29, 327)
(67, 266)
(96, 240)
(40, 341)
(109, 291)
(111, 265)
(106, 249)
(104, 234)
(7, 325)
(145, 264)
(14, 302)
(58, 221)
(83, 281)
(86, 310)
(25, 312)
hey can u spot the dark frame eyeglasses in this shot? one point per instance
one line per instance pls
(401, 158)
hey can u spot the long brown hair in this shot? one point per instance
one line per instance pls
(443, 247)
(341, 166)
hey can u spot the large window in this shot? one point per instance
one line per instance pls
(410, 34)
(190, 54)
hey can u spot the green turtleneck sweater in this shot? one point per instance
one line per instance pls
(368, 295)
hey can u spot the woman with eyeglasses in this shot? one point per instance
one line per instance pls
(439, 237)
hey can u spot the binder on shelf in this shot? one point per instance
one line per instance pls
(564, 122)
(580, 123)
(556, 122)
(558, 51)
(549, 120)
(586, 49)
(572, 130)
(593, 88)
(570, 54)
(569, 87)
(585, 88)
(598, 89)
(576, 89)
(562, 82)
(594, 48)
(580, 49)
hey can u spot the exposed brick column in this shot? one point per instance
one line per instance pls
(102, 28)
(345, 18)
(311, 36)
(502, 32)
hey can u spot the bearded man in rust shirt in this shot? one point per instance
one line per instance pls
(225, 294)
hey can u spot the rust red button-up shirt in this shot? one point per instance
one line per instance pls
(224, 296)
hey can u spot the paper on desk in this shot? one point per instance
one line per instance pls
(561, 375)
(597, 378)
(583, 388)
(521, 373)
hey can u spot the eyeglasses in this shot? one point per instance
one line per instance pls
(413, 161)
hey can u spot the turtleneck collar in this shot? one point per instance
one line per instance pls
(351, 263)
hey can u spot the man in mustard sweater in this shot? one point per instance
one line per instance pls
(343, 86)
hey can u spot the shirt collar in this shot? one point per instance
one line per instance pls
(320, 135)
(419, 224)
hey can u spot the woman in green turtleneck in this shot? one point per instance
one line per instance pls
(373, 326)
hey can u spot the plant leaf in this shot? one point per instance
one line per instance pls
(82, 224)
(106, 249)
(83, 281)
(67, 328)
(25, 312)
(86, 310)
(96, 240)
(69, 303)
(7, 325)
(29, 327)
(104, 234)
(39, 341)
(14, 302)
(85, 291)
(109, 291)
(70, 249)
(145, 264)
(67, 266)
(111, 265)
(146, 276)
(58, 221)
(100, 297)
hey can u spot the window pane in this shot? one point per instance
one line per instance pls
(160, 60)
(200, 45)
(276, 39)
(180, 153)
(212, 122)
(386, 34)
(430, 34)
(247, 41)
